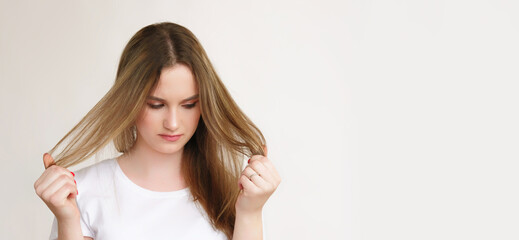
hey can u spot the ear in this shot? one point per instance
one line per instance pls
(47, 160)
(265, 150)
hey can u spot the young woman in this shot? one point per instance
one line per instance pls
(183, 141)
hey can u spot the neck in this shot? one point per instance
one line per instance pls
(153, 170)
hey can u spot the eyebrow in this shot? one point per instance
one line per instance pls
(162, 100)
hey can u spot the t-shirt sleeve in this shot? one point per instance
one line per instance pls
(84, 228)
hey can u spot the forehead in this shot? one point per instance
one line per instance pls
(175, 82)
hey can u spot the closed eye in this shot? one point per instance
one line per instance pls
(155, 106)
(189, 106)
(158, 106)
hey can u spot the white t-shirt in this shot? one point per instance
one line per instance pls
(113, 207)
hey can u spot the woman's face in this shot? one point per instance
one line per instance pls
(171, 113)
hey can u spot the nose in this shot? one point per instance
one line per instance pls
(171, 120)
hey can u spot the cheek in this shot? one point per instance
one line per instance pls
(193, 119)
(146, 120)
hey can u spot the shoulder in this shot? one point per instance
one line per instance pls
(91, 177)
(107, 165)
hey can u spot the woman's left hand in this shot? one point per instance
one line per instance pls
(258, 181)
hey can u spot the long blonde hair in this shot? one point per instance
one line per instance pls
(212, 159)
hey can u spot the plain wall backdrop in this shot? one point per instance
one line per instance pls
(387, 119)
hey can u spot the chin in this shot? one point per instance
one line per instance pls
(170, 150)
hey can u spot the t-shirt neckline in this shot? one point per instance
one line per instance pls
(129, 183)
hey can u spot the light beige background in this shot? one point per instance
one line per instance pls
(387, 119)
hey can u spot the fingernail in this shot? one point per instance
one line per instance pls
(77, 192)
(248, 161)
(73, 174)
(75, 182)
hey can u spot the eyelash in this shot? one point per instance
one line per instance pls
(188, 106)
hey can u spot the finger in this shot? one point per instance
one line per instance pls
(262, 170)
(248, 185)
(66, 191)
(256, 158)
(272, 170)
(57, 184)
(48, 160)
(46, 164)
(268, 164)
(255, 178)
(42, 177)
(52, 174)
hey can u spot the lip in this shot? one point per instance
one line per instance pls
(171, 138)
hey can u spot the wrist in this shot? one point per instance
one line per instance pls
(250, 215)
(246, 210)
(67, 219)
(248, 225)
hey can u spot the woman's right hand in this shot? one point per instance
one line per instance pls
(58, 189)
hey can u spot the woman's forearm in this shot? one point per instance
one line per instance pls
(248, 226)
(69, 229)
